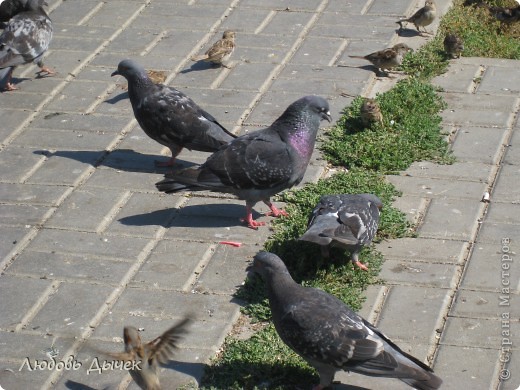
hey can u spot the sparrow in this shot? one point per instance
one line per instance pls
(422, 18)
(388, 58)
(370, 113)
(147, 357)
(220, 51)
(453, 45)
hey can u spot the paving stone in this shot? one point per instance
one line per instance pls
(74, 43)
(245, 20)
(134, 40)
(410, 313)
(418, 274)
(69, 266)
(511, 374)
(70, 309)
(479, 304)
(497, 81)
(70, 242)
(125, 180)
(14, 310)
(64, 167)
(17, 162)
(513, 150)
(65, 62)
(458, 78)
(494, 233)
(160, 304)
(85, 210)
(63, 139)
(25, 214)
(438, 188)
(503, 213)
(424, 249)
(114, 12)
(317, 51)
(241, 77)
(473, 117)
(459, 170)
(369, 305)
(73, 13)
(31, 194)
(478, 332)
(388, 7)
(78, 97)
(451, 219)
(484, 271)
(466, 368)
(226, 271)
(505, 188)
(11, 118)
(171, 264)
(361, 32)
(72, 121)
(477, 144)
(29, 101)
(182, 41)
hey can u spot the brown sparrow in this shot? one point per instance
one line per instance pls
(146, 357)
(453, 45)
(387, 58)
(220, 51)
(370, 113)
(422, 18)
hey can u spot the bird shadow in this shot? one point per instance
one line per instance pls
(198, 66)
(121, 159)
(195, 216)
(117, 98)
(408, 32)
(73, 385)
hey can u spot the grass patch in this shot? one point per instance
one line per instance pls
(411, 131)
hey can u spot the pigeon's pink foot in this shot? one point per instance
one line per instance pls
(359, 264)
(251, 223)
(10, 87)
(44, 71)
(275, 212)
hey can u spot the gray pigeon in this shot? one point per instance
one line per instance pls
(347, 221)
(330, 336)
(25, 39)
(260, 164)
(170, 117)
(10, 8)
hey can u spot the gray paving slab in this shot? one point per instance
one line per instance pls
(80, 219)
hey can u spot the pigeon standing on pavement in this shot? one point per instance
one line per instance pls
(170, 117)
(147, 357)
(370, 113)
(330, 336)
(260, 164)
(25, 39)
(220, 51)
(422, 18)
(10, 8)
(347, 221)
(387, 58)
(453, 45)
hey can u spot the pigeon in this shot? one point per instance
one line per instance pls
(260, 164)
(170, 117)
(422, 18)
(503, 14)
(453, 45)
(144, 359)
(387, 58)
(220, 51)
(326, 333)
(347, 221)
(25, 39)
(370, 113)
(10, 8)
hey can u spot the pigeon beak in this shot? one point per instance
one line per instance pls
(116, 73)
(327, 116)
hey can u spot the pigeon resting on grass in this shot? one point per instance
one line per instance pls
(260, 164)
(170, 117)
(347, 221)
(330, 336)
(25, 39)
(147, 357)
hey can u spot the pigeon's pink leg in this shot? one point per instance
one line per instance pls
(275, 212)
(10, 87)
(360, 265)
(175, 152)
(251, 223)
(47, 71)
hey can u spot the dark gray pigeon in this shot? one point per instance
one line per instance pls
(260, 164)
(330, 336)
(25, 39)
(347, 221)
(10, 8)
(170, 117)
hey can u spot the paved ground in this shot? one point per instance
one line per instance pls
(88, 245)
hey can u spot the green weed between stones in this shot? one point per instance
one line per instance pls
(410, 132)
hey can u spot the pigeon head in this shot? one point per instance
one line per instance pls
(33, 5)
(374, 199)
(130, 70)
(266, 264)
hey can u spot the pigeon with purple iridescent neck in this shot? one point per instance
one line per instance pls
(260, 164)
